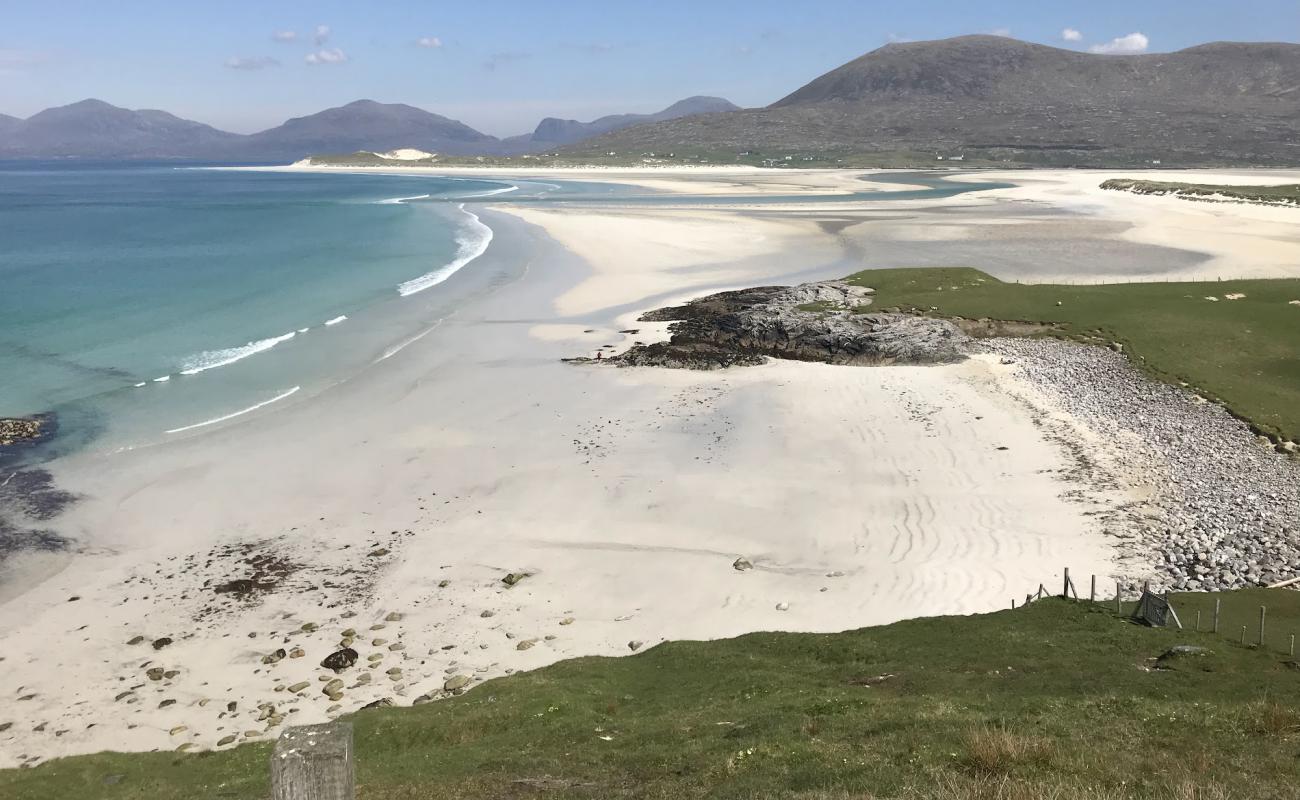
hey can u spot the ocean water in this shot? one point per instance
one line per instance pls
(150, 301)
(142, 302)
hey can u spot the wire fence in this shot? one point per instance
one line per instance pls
(1238, 617)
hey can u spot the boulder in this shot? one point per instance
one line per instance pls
(455, 682)
(339, 660)
(741, 564)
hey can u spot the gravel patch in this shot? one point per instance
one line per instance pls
(1219, 508)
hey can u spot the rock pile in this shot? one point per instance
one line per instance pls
(810, 322)
(1225, 510)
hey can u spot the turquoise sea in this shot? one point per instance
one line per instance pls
(142, 300)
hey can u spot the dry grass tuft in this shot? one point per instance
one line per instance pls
(997, 751)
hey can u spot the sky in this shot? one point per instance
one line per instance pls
(502, 65)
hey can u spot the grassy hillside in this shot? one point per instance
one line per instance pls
(1060, 699)
(1243, 352)
(1285, 195)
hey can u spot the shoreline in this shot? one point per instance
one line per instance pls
(404, 496)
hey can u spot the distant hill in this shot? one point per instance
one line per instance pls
(95, 129)
(997, 98)
(553, 131)
(366, 125)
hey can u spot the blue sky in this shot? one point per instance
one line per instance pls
(500, 65)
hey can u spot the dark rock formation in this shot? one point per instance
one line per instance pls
(810, 322)
(340, 660)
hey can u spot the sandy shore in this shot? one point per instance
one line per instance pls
(395, 504)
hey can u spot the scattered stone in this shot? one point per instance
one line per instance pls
(333, 686)
(154, 673)
(378, 642)
(515, 577)
(167, 702)
(634, 645)
(456, 682)
(741, 564)
(526, 644)
(783, 606)
(443, 584)
(273, 658)
(567, 621)
(225, 740)
(396, 647)
(340, 660)
(159, 644)
(350, 633)
(485, 614)
(185, 747)
(299, 686)
(297, 652)
(393, 616)
(134, 640)
(309, 627)
(177, 729)
(383, 702)
(1183, 651)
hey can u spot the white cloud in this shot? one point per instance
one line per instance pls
(1071, 35)
(285, 36)
(331, 55)
(1003, 32)
(429, 41)
(1123, 45)
(251, 62)
(321, 35)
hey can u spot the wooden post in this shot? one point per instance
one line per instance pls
(1243, 634)
(1013, 604)
(1041, 591)
(1118, 609)
(1262, 611)
(1292, 651)
(1198, 620)
(1217, 600)
(314, 762)
(1173, 612)
(1065, 587)
(1092, 593)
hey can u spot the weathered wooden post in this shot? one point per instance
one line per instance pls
(1198, 620)
(1092, 593)
(1292, 651)
(314, 762)
(1262, 611)
(1065, 587)
(1243, 634)
(1118, 609)
(1217, 600)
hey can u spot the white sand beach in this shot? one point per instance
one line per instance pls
(394, 504)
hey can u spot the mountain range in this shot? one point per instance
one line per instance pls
(989, 98)
(98, 130)
(1001, 99)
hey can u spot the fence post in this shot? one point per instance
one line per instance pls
(1262, 610)
(1092, 594)
(1292, 652)
(1118, 609)
(1065, 587)
(1198, 620)
(1243, 634)
(1217, 600)
(314, 762)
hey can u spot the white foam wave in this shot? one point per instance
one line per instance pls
(303, 330)
(141, 383)
(472, 241)
(250, 409)
(397, 201)
(336, 320)
(502, 190)
(163, 379)
(211, 359)
(397, 348)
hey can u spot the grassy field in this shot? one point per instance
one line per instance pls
(1244, 353)
(1056, 700)
(1286, 195)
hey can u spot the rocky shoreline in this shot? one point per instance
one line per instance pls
(811, 322)
(1222, 505)
(25, 431)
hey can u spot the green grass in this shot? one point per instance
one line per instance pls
(1287, 194)
(1059, 699)
(1242, 353)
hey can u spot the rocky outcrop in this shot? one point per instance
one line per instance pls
(811, 322)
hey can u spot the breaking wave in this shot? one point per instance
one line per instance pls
(472, 241)
(211, 359)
